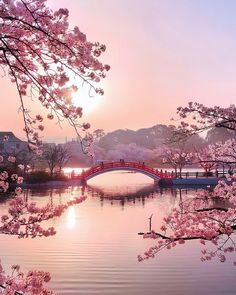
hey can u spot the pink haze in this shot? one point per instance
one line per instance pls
(162, 54)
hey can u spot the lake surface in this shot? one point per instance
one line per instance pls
(96, 246)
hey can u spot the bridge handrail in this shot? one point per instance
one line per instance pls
(142, 167)
(154, 172)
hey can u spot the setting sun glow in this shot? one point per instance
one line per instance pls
(85, 98)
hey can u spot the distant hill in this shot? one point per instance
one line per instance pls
(145, 137)
(219, 134)
(150, 138)
(130, 143)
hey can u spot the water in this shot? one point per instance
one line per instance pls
(96, 246)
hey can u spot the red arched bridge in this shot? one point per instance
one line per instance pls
(122, 165)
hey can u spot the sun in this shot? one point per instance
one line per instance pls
(86, 99)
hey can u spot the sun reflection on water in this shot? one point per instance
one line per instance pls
(71, 218)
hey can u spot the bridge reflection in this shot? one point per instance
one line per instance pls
(130, 196)
(142, 194)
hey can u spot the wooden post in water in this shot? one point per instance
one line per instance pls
(150, 223)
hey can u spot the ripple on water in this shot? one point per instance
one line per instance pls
(99, 254)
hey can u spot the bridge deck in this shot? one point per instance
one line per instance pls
(130, 166)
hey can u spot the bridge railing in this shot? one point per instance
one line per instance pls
(153, 171)
(140, 166)
(199, 174)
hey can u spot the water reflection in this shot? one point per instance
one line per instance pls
(124, 196)
(125, 192)
(96, 246)
(71, 217)
(136, 194)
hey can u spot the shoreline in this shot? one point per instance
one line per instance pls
(52, 183)
(162, 183)
(190, 181)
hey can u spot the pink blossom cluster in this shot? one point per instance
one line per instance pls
(130, 152)
(216, 155)
(206, 158)
(11, 159)
(40, 52)
(5, 177)
(176, 157)
(226, 152)
(210, 216)
(24, 219)
(205, 118)
(20, 283)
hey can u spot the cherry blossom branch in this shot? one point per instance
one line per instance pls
(205, 118)
(38, 46)
(200, 219)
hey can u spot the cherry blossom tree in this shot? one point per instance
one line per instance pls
(23, 219)
(210, 216)
(204, 118)
(177, 158)
(206, 158)
(130, 152)
(45, 59)
(227, 153)
(40, 53)
(217, 155)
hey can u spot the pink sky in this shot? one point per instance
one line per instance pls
(162, 54)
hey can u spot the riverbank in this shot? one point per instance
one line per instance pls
(190, 181)
(162, 183)
(52, 183)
